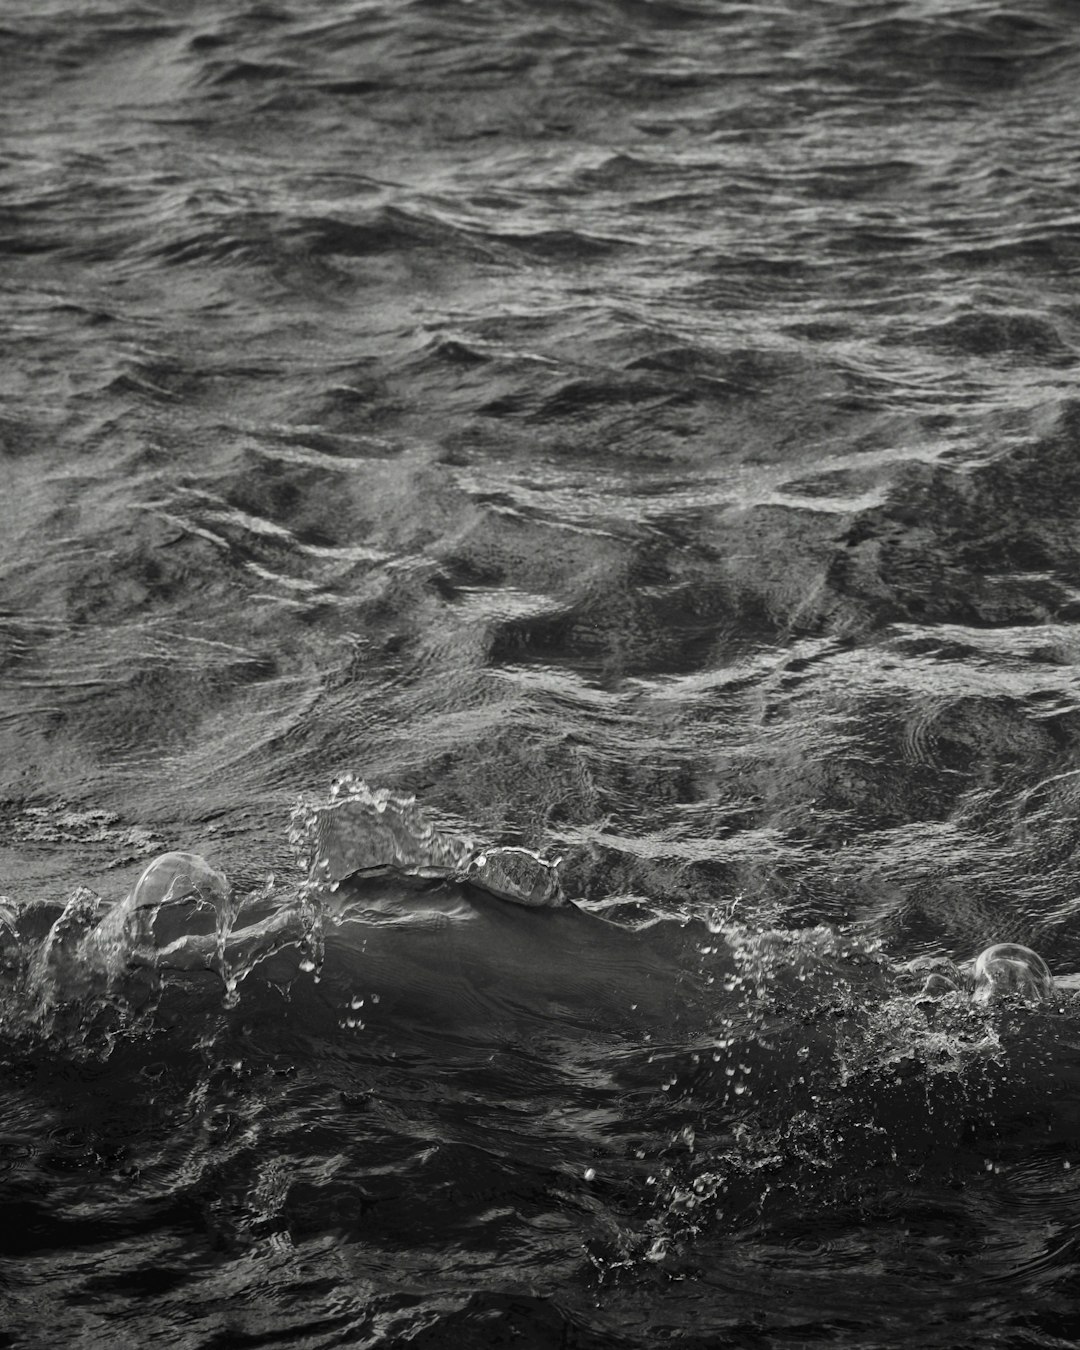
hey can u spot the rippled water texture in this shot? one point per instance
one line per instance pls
(647, 432)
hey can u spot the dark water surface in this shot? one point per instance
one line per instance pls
(648, 432)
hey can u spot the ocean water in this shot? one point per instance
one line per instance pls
(648, 432)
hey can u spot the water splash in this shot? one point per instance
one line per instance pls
(364, 831)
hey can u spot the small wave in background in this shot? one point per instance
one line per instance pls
(647, 432)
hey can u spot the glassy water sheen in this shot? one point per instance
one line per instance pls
(648, 433)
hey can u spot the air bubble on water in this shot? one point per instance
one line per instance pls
(707, 1184)
(682, 1201)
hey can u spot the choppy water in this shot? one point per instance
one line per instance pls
(649, 433)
